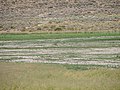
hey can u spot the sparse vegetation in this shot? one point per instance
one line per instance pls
(39, 28)
(12, 27)
(118, 56)
(1, 26)
(58, 29)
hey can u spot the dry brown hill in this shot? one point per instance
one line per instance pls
(58, 15)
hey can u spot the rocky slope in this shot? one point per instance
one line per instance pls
(57, 15)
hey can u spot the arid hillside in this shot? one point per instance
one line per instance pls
(59, 15)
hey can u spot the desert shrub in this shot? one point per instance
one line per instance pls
(1, 26)
(30, 30)
(12, 27)
(53, 27)
(45, 27)
(58, 29)
(39, 28)
(118, 56)
(13, 2)
(62, 26)
(70, 28)
(50, 7)
(23, 29)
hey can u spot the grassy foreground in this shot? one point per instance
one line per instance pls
(29, 76)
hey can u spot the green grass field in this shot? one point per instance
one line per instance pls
(33, 36)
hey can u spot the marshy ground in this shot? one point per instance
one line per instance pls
(96, 50)
(63, 61)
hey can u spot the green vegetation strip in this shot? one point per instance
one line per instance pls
(86, 67)
(53, 35)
